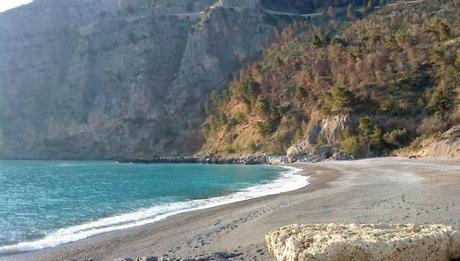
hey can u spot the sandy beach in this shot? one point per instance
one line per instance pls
(382, 190)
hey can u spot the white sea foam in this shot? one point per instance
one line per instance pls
(289, 180)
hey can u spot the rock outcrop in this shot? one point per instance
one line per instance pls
(446, 146)
(84, 79)
(364, 242)
(323, 136)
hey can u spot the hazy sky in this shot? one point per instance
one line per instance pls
(7, 4)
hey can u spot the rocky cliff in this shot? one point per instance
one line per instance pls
(443, 146)
(324, 133)
(85, 79)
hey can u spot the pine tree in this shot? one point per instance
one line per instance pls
(201, 109)
(457, 59)
(370, 6)
(331, 12)
(262, 106)
(376, 141)
(350, 12)
(366, 126)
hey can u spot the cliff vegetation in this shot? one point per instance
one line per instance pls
(394, 75)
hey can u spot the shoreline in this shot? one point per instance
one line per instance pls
(339, 192)
(288, 180)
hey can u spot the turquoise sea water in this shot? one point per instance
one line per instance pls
(47, 203)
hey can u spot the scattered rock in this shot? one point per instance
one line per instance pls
(364, 242)
(273, 160)
(217, 256)
(341, 156)
(147, 258)
(251, 159)
(315, 154)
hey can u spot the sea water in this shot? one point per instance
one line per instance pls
(47, 203)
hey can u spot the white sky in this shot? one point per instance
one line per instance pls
(8, 4)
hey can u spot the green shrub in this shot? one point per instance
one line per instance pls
(456, 115)
(366, 126)
(223, 119)
(339, 99)
(351, 146)
(201, 109)
(397, 138)
(369, 7)
(239, 117)
(216, 100)
(432, 125)
(299, 134)
(348, 132)
(247, 89)
(262, 106)
(441, 101)
(457, 58)
(230, 150)
(210, 125)
(376, 142)
(320, 141)
(300, 93)
(351, 13)
(441, 28)
(232, 122)
(266, 127)
(253, 147)
(400, 37)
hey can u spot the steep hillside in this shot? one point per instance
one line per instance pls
(364, 87)
(118, 79)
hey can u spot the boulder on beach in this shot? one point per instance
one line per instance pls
(364, 242)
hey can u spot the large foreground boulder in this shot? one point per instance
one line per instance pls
(363, 242)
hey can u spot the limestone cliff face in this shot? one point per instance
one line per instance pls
(113, 79)
(327, 131)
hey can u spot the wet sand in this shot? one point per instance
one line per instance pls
(383, 190)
